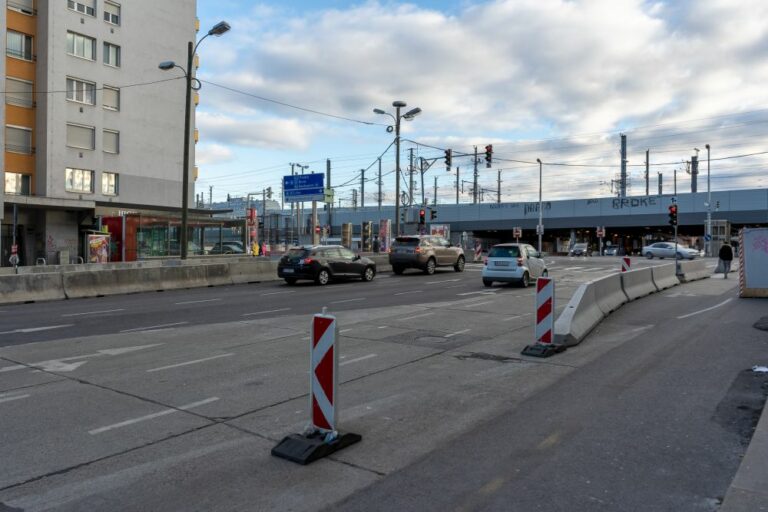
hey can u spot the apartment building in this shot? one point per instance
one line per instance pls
(92, 126)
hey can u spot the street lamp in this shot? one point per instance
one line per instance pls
(408, 116)
(217, 30)
(709, 208)
(540, 227)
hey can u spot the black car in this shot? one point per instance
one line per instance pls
(227, 248)
(323, 263)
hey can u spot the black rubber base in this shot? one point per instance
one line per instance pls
(305, 449)
(542, 350)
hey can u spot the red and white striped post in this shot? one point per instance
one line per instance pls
(544, 329)
(321, 438)
(626, 264)
(324, 369)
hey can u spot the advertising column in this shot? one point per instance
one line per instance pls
(385, 235)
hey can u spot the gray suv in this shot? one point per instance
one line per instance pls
(426, 253)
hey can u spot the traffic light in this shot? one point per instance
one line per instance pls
(422, 216)
(269, 192)
(432, 214)
(673, 215)
(717, 205)
(448, 159)
(402, 215)
(488, 155)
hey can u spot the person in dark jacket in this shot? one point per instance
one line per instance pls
(726, 256)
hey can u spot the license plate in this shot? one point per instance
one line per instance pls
(501, 263)
(287, 271)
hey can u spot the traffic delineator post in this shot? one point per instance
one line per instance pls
(321, 437)
(626, 264)
(544, 318)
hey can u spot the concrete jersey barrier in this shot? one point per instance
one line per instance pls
(609, 293)
(638, 283)
(579, 317)
(693, 270)
(664, 276)
(31, 288)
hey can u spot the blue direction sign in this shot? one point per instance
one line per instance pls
(304, 187)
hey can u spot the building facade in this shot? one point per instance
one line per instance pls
(92, 126)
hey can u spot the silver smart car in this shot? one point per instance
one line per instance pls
(513, 263)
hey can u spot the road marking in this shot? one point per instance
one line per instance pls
(478, 304)
(95, 312)
(37, 329)
(382, 327)
(416, 316)
(347, 300)
(59, 365)
(481, 292)
(456, 333)
(344, 330)
(357, 359)
(154, 327)
(440, 282)
(406, 293)
(510, 318)
(187, 363)
(571, 268)
(265, 312)
(4, 398)
(726, 301)
(276, 293)
(151, 416)
(196, 301)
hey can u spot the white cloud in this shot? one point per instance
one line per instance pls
(206, 154)
(272, 133)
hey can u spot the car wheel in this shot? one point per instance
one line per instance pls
(545, 273)
(649, 255)
(398, 270)
(525, 281)
(322, 277)
(368, 274)
(488, 283)
(430, 268)
(459, 266)
(290, 280)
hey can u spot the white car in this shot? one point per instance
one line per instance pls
(513, 263)
(663, 250)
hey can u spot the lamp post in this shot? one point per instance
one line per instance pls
(540, 227)
(408, 116)
(709, 208)
(217, 30)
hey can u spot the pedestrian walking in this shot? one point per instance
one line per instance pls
(726, 256)
(254, 248)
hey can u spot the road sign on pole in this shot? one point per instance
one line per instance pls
(626, 264)
(517, 232)
(304, 187)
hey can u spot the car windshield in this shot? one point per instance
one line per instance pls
(296, 254)
(580, 246)
(406, 242)
(504, 252)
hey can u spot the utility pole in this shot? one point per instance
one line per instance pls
(379, 196)
(354, 199)
(660, 190)
(647, 176)
(421, 171)
(434, 199)
(623, 183)
(498, 196)
(328, 186)
(474, 188)
(695, 172)
(362, 188)
(457, 185)
(210, 196)
(674, 183)
(410, 174)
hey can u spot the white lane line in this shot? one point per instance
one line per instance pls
(95, 312)
(509, 318)
(416, 316)
(358, 359)
(457, 286)
(382, 327)
(151, 416)
(726, 301)
(276, 293)
(406, 293)
(37, 329)
(347, 300)
(481, 292)
(477, 304)
(196, 301)
(456, 333)
(268, 311)
(344, 330)
(187, 363)
(154, 327)
(4, 398)
(440, 282)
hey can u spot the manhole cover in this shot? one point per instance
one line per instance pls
(762, 324)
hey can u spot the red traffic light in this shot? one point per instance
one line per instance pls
(422, 213)
(673, 209)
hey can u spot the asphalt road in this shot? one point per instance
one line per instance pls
(180, 411)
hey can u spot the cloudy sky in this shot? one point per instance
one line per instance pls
(551, 79)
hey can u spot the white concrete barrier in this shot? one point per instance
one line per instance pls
(579, 317)
(664, 276)
(31, 288)
(638, 283)
(609, 293)
(693, 270)
(255, 271)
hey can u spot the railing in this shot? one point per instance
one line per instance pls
(23, 7)
(20, 55)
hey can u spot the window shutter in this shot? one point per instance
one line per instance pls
(80, 137)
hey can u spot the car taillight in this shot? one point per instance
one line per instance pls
(519, 262)
(417, 250)
(485, 261)
(307, 261)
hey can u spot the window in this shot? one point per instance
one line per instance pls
(18, 140)
(111, 13)
(22, 6)
(79, 136)
(16, 183)
(109, 183)
(83, 6)
(18, 92)
(19, 45)
(78, 180)
(81, 46)
(81, 91)
(111, 98)
(111, 55)
(111, 141)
